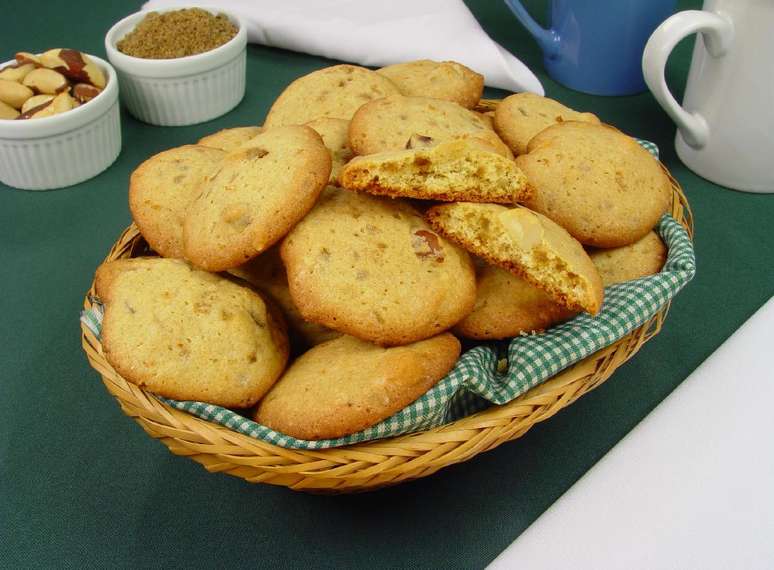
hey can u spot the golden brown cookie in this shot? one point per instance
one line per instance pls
(596, 182)
(390, 123)
(267, 273)
(162, 188)
(467, 170)
(260, 191)
(187, 334)
(643, 257)
(521, 116)
(346, 385)
(526, 244)
(335, 136)
(230, 139)
(372, 267)
(337, 91)
(507, 306)
(447, 80)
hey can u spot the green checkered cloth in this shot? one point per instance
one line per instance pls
(476, 381)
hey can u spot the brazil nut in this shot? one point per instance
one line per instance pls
(74, 65)
(14, 93)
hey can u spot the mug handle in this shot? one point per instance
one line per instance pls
(717, 33)
(547, 39)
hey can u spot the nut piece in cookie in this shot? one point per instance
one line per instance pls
(596, 182)
(372, 268)
(337, 91)
(388, 124)
(230, 139)
(639, 259)
(162, 188)
(507, 306)
(447, 80)
(260, 191)
(467, 170)
(187, 334)
(526, 244)
(346, 385)
(521, 116)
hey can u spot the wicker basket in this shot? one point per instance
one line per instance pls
(373, 464)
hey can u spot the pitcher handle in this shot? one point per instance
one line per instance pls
(717, 33)
(547, 39)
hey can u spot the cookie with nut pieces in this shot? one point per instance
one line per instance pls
(467, 170)
(521, 116)
(267, 273)
(527, 244)
(346, 385)
(390, 123)
(644, 257)
(372, 268)
(507, 305)
(337, 92)
(162, 188)
(447, 80)
(230, 139)
(596, 182)
(188, 334)
(259, 192)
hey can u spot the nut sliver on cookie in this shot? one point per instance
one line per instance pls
(526, 244)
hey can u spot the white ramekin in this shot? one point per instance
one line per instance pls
(64, 149)
(184, 90)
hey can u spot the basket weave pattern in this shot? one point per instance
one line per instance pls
(367, 465)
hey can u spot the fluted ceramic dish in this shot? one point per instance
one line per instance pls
(184, 90)
(64, 149)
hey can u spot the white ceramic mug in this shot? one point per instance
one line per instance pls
(725, 127)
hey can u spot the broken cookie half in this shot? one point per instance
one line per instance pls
(467, 169)
(527, 244)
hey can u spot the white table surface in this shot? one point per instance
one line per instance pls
(692, 486)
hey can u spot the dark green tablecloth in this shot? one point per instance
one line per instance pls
(82, 485)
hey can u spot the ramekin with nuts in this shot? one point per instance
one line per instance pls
(47, 84)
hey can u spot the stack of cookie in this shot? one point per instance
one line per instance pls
(372, 215)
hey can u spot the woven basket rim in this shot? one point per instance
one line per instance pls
(376, 463)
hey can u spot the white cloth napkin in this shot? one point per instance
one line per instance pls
(375, 33)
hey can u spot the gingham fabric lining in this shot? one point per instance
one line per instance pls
(480, 378)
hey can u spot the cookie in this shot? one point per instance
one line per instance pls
(507, 306)
(521, 116)
(230, 139)
(596, 182)
(346, 385)
(335, 136)
(335, 92)
(467, 170)
(639, 259)
(267, 273)
(447, 80)
(527, 244)
(187, 334)
(260, 191)
(162, 188)
(372, 268)
(388, 124)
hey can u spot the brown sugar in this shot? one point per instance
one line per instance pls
(177, 34)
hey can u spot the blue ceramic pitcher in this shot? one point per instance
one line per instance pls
(595, 46)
